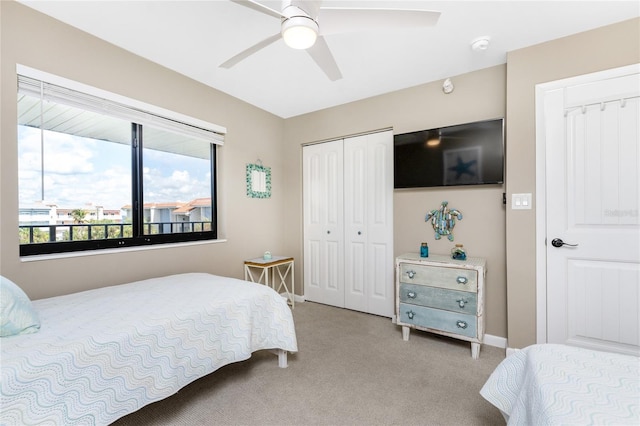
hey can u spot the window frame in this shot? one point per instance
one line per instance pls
(157, 115)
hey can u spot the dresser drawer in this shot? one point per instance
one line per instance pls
(452, 278)
(437, 297)
(451, 322)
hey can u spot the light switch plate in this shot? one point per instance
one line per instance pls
(521, 201)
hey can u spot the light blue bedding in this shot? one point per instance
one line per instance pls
(102, 354)
(562, 385)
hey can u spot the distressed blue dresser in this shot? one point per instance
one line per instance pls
(441, 295)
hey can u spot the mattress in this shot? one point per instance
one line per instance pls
(553, 384)
(102, 354)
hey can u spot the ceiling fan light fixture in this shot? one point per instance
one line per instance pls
(299, 32)
(434, 140)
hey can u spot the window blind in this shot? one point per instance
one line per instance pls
(61, 95)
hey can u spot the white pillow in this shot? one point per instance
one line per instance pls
(17, 316)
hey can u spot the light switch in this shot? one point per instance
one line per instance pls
(521, 201)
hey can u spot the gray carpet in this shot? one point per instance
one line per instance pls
(351, 369)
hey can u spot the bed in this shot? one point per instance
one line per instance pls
(92, 357)
(550, 384)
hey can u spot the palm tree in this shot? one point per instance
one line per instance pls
(78, 215)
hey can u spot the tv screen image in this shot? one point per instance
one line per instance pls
(465, 154)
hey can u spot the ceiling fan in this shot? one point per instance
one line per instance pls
(304, 23)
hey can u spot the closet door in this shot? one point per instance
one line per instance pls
(323, 223)
(368, 223)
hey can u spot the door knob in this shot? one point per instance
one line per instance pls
(557, 242)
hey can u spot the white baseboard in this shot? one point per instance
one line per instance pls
(511, 351)
(498, 342)
(297, 298)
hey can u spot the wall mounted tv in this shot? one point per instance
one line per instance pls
(465, 154)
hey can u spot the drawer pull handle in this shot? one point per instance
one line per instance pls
(462, 280)
(411, 295)
(462, 302)
(411, 314)
(411, 274)
(461, 324)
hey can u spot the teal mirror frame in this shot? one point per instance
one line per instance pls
(258, 181)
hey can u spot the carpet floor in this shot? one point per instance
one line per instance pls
(351, 369)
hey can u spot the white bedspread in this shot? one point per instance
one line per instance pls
(102, 354)
(561, 385)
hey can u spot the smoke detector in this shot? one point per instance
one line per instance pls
(447, 86)
(480, 44)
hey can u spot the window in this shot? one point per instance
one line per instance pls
(98, 171)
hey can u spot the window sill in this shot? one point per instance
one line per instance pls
(54, 256)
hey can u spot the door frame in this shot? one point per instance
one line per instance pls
(541, 205)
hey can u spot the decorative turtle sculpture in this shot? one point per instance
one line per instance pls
(443, 220)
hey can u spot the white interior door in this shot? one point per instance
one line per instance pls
(592, 149)
(368, 208)
(323, 223)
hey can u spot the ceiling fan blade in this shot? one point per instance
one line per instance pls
(342, 20)
(322, 56)
(251, 4)
(250, 51)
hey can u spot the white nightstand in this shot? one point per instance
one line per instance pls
(284, 266)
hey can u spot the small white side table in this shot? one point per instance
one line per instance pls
(268, 268)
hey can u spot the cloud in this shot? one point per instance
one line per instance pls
(78, 171)
(64, 154)
(174, 185)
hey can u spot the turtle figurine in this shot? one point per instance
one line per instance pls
(443, 220)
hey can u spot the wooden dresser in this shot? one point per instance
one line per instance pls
(441, 295)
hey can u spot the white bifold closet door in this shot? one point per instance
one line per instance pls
(348, 223)
(323, 223)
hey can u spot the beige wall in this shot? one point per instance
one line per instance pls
(250, 225)
(477, 96)
(608, 47)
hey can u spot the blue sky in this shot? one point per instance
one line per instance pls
(81, 171)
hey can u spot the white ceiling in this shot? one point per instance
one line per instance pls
(195, 37)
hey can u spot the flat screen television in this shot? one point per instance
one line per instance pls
(465, 154)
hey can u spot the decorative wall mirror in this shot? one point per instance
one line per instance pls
(258, 181)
